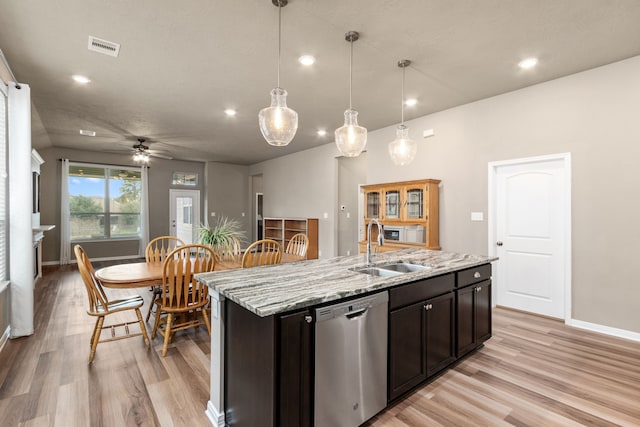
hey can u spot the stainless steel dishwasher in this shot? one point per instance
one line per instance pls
(351, 361)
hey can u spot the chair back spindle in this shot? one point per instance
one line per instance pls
(262, 252)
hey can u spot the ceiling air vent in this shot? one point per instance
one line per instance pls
(104, 46)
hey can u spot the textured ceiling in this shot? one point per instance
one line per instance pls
(182, 63)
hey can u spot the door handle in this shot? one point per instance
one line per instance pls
(498, 243)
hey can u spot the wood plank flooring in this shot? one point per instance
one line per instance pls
(533, 372)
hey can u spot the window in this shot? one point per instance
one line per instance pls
(185, 178)
(104, 201)
(4, 231)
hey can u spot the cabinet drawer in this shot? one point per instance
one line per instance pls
(473, 275)
(420, 290)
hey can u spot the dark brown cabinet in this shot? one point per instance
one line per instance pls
(421, 334)
(473, 306)
(268, 368)
(296, 371)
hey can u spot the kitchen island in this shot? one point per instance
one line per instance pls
(262, 323)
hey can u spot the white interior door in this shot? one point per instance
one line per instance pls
(184, 214)
(531, 229)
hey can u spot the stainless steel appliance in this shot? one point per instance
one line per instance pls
(351, 361)
(394, 233)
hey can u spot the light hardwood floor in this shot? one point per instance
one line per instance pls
(534, 372)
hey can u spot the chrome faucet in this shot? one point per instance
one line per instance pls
(380, 238)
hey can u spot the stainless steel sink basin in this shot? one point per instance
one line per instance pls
(373, 271)
(391, 269)
(404, 267)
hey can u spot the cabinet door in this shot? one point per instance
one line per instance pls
(295, 386)
(392, 203)
(466, 320)
(372, 204)
(414, 204)
(439, 313)
(406, 349)
(483, 311)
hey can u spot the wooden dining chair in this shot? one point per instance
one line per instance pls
(298, 245)
(156, 251)
(100, 306)
(182, 294)
(262, 252)
(231, 251)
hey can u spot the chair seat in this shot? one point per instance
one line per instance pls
(133, 302)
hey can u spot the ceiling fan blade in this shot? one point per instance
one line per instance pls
(161, 156)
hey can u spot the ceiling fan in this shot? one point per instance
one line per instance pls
(142, 152)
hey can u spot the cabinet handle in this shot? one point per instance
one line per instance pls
(479, 288)
(428, 306)
(477, 275)
(308, 319)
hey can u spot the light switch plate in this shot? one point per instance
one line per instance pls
(477, 216)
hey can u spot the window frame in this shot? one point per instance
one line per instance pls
(107, 205)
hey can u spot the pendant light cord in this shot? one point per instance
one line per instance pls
(402, 100)
(279, 38)
(350, 73)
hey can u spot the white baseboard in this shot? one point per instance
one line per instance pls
(5, 337)
(594, 327)
(113, 258)
(216, 418)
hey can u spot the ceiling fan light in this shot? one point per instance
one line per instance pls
(402, 150)
(278, 123)
(351, 138)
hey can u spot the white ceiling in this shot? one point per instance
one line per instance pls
(182, 63)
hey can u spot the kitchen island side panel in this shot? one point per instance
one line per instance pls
(250, 368)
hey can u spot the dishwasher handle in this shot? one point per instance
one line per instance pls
(357, 313)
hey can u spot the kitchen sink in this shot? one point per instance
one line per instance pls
(391, 269)
(404, 267)
(374, 271)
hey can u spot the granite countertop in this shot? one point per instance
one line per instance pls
(285, 287)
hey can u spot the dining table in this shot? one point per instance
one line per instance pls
(143, 274)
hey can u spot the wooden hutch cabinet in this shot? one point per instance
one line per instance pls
(410, 207)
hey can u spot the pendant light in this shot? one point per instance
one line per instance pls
(351, 138)
(278, 123)
(402, 150)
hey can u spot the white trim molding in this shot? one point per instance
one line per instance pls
(216, 418)
(607, 330)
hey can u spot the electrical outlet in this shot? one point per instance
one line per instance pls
(213, 214)
(348, 214)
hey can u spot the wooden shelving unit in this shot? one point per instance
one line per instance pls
(283, 229)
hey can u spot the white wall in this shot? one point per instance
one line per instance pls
(303, 185)
(593, 115)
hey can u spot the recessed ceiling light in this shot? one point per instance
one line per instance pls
(80, 79)
(87, 132)
(306, 60)
(230, 112)
(525, 64)
(410, 102)
(322, 132)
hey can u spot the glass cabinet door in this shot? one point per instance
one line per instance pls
(392, 204)
(415, 203)
(373, 204)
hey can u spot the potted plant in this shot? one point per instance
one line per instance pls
(221, 235)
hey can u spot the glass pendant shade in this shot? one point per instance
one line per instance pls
(402, 149)
(278, 123)
(351, 138)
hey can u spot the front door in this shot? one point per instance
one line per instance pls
(531, 229)
(184, 214)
